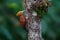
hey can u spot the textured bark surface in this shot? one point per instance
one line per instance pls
(33, 22)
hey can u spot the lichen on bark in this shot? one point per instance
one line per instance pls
(33, 19)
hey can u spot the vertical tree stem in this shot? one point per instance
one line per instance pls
(33, 22)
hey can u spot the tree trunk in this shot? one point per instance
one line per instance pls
(33, 22)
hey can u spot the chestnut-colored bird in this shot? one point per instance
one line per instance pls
(22, 18)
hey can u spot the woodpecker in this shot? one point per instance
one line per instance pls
(22, 18)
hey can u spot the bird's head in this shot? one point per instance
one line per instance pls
(20, 13)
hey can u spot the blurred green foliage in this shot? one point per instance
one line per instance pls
(10, 28)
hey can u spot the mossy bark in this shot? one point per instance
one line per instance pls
(33, 22)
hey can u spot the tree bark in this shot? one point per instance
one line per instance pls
(33, 22)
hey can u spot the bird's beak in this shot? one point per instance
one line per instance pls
(19, 13)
